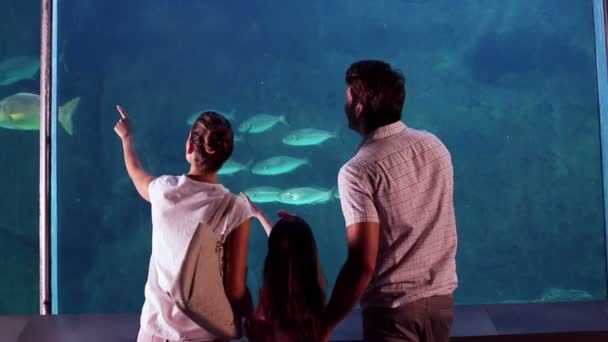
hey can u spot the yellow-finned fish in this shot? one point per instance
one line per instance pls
(22, 112)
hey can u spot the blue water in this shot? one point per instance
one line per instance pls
(509, 86)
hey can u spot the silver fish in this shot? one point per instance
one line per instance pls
(263, 194)
(228, 115)
(306, 195)
(231, 167)
(260, 123)
(277, 165)
(307, 137)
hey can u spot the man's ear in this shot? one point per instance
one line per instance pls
(359, 109)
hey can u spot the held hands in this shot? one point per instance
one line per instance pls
(327, 334)
(123, 127)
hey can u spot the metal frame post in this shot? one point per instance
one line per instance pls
(45, 155)
(604, 109)
(601, 41)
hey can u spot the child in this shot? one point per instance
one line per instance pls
(292, 298)
(179, 203)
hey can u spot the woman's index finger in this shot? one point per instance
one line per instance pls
(121, 111)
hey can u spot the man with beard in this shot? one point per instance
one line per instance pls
(396, 195)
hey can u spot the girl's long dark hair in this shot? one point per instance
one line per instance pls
(294, 284)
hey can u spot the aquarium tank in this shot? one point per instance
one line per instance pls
(510, 87)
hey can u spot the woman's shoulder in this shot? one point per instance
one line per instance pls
(166, 180)
(240, 206)
(239, 202)
(162, 183)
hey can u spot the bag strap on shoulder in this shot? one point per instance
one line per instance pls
(222, 210)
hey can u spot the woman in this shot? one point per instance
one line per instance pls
(178, 204)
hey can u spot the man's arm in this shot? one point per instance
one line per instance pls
(141, 179)
(355, 275)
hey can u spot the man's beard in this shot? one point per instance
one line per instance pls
(350, 110)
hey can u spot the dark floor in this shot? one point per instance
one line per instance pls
(555, 322)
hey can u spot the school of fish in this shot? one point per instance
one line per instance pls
(278, 164)
(21, 111)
